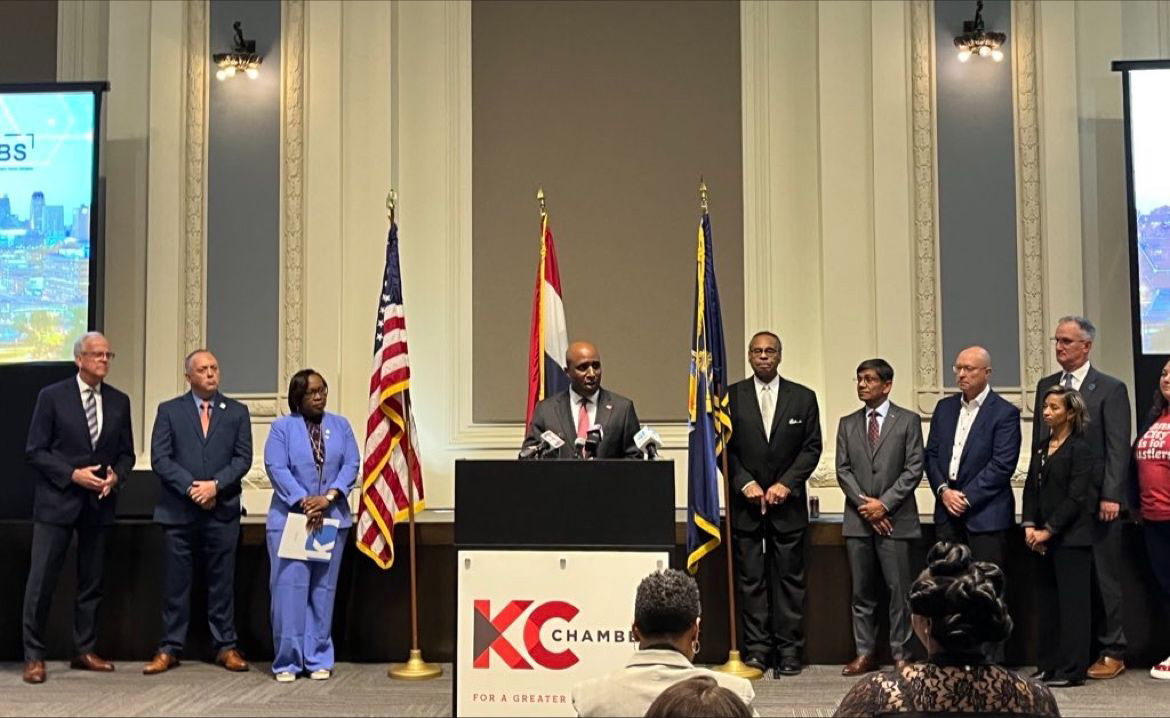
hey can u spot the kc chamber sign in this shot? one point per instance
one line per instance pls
(532, 624)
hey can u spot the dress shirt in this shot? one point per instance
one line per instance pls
(97, 397)
(199, 404)
(882, 412)
(967, 413)
(575, 400)
(1078, 376)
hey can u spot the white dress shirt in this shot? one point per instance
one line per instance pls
(1078, 376)
(967, 413)
(97, 397)
(575, 400)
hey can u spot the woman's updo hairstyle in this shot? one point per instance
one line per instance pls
(962, 598)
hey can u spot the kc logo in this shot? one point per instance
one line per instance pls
(489, 635)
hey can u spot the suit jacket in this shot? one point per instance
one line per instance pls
(288, 459)
(1058, 495)
(180, 455)
(986, 466)
(1107, 432)
(58, 442)
(629, 691)
(789, 456)
(615, 413)
(889, 473)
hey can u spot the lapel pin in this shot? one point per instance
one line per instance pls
(609, 407)
(222, 405)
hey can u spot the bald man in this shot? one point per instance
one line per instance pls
(971, 454)
(572, 413)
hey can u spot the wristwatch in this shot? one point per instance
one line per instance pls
(333, 495)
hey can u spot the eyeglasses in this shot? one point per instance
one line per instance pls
(964, 369)
(322, 392)
(763, 351)
(100, 355)
(1065, 341)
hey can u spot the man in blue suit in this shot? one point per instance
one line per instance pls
(201, 448)
(971, 454)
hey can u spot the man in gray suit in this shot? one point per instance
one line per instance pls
(879, 464)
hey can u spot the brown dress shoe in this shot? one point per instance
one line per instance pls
(859, 665)
(91, 662)
(1106, 667)
(162, 663)
(231, 659)
(34, 672)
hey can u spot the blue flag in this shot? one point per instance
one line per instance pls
(710, 424)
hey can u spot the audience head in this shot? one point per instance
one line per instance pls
(666, 610)
(695, 697)
(972, 370)
(875, 379)
(1065, 406)
(957, 603)
(1074, 340)
(307, 394)
(764, 354)
(583, 367)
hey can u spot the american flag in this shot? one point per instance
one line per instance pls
(391, 439)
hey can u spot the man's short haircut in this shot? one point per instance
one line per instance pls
(881, 367)
(766, 333)
(1085, 325)
(667, 604)
(79, 345)
(187, 359)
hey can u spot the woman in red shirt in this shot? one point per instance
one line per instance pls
(1151, 484)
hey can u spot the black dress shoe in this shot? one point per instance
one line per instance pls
(757, 663)
(788, 666)
(1062, 682)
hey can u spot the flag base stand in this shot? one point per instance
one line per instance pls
(736, 667)
(415, 668)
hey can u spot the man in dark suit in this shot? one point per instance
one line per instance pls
(571, 414)
(81, 443)
(879, 464)
(201, 448)
(971, 455)
(1107, 433)
(775, 446)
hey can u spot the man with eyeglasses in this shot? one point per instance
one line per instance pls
(200, 448)
(81, 443)
(775, 446)
(971, 455)
(1107, 400)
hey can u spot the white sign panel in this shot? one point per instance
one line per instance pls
(532, 624)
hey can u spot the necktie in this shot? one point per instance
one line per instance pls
(767, 410)
(205, 416)
(583, 419)
(91, 415)
(873, 430)
(1067, 382)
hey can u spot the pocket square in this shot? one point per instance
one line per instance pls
(795, 421)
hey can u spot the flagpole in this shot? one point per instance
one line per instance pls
(415, 668)
(733, 665)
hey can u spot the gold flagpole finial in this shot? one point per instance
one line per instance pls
(391, 204)
(702, 194)
(540, 199)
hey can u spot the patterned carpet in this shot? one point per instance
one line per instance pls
(199, 689)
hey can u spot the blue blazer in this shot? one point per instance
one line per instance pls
(180, 455)
(986, 466)
(288, 458)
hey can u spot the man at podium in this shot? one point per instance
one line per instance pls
(584, 421)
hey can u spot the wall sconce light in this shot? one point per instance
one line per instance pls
(975, 40)
(242, 58)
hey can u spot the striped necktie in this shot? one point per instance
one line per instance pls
(91, 416)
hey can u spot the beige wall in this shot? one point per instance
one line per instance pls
(837, 198)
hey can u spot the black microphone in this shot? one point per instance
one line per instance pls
(579, 448)
(593, 440)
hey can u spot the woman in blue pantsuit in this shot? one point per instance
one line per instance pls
(312, 461)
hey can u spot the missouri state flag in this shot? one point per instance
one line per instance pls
(549, 339)
(708, 417)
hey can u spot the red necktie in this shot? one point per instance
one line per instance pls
(873, 430)
(583, 419)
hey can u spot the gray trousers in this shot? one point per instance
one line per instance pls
(871, 560)
(1107, 552)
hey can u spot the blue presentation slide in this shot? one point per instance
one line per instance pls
(46, 191)
(1149, 113)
